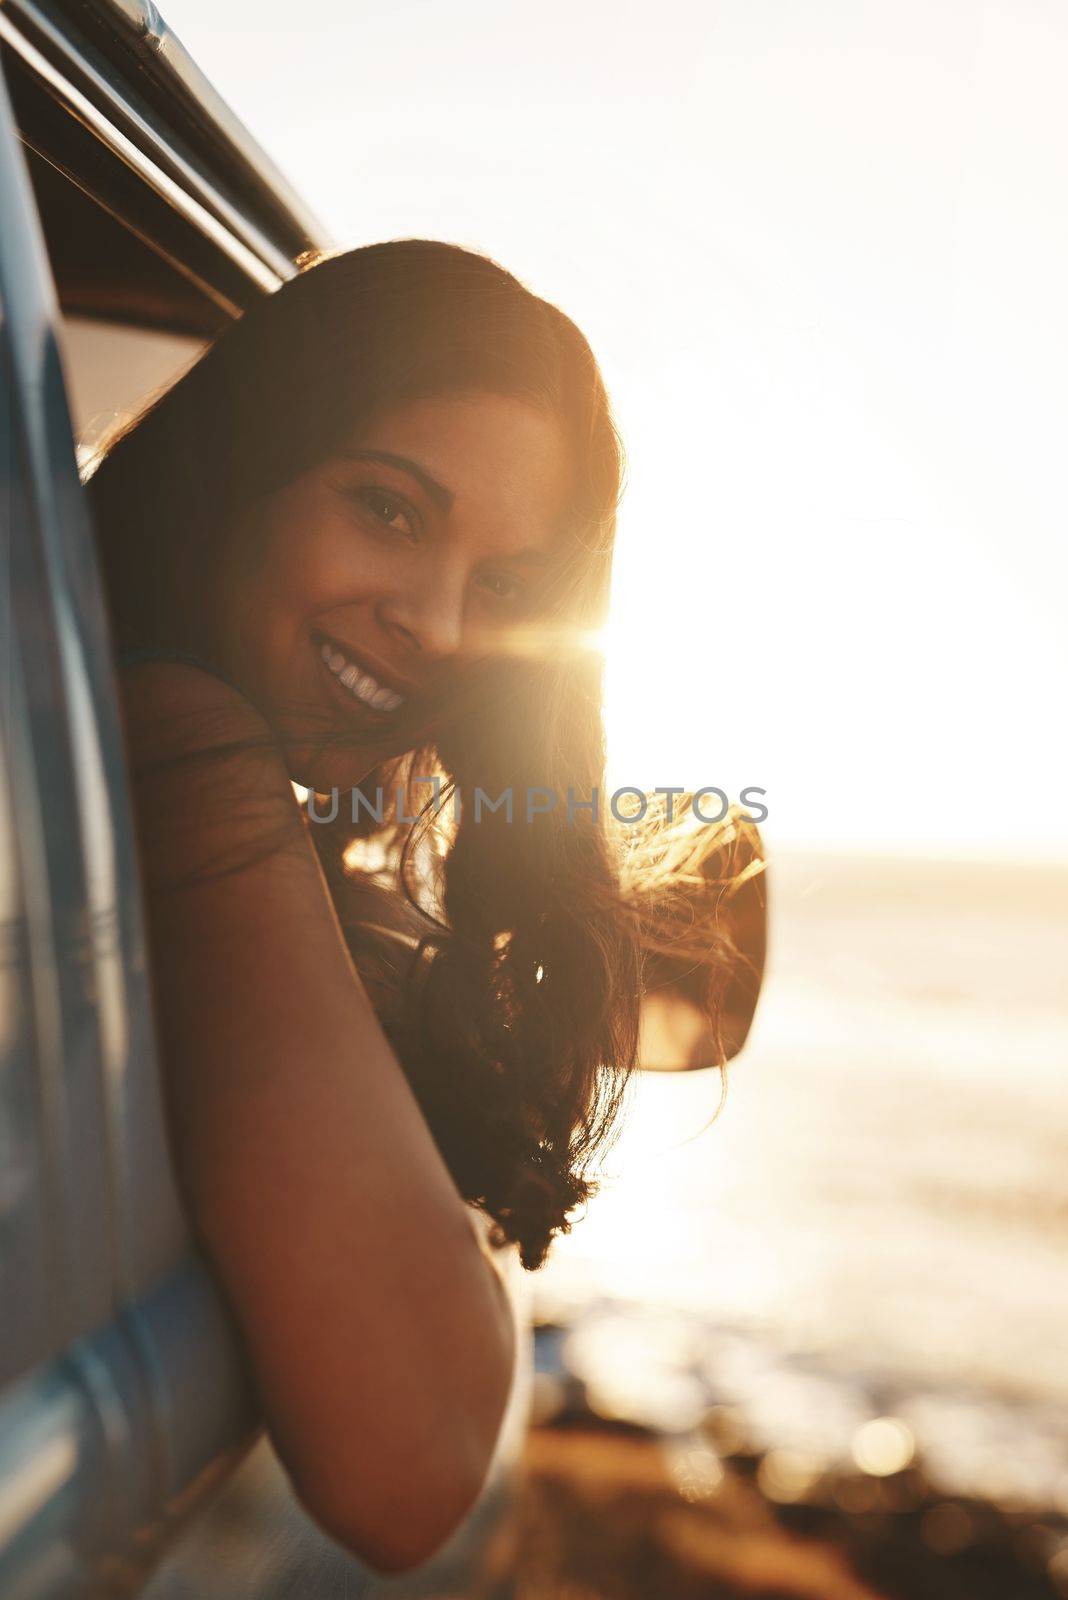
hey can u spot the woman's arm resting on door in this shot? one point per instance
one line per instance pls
(379, 1332)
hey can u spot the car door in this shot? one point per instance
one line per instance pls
(120, 1379)
(130, 1456)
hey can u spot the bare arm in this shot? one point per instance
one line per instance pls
(378, 1329)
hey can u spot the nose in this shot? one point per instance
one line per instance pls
(427, 622)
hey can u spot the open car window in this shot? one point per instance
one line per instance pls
(112, 370)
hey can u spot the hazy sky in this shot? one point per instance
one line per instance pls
(821, 251)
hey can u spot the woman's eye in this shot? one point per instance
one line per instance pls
(504, 587)
(390, 510)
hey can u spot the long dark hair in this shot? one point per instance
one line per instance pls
(509, 980)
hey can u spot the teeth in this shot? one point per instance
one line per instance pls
(360, 684)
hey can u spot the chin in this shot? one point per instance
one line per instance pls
(314, 769)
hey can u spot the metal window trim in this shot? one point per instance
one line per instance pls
(100, 843)
(190, 193)
(160, 53)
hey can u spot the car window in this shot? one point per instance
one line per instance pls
(112, 369)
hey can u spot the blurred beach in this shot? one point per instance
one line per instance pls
(858, 1271)
(816, 1350)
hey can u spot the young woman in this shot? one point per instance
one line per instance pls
(365, 541)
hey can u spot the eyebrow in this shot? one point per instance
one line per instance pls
(530, 556)
(443, 498)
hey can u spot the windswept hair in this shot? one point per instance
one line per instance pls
(506, 962)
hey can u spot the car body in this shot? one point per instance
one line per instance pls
(137, 217)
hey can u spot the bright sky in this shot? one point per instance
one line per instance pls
(820, 248)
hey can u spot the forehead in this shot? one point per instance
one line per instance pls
(504, 462)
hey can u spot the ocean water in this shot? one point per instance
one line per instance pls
(878, 1219)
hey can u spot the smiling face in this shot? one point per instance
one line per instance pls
(354, 592)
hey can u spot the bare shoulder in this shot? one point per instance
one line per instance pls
(210, 785)
(177, 703)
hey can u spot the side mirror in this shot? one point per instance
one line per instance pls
(675, 1035)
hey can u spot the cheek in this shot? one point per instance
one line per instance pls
(312, 573)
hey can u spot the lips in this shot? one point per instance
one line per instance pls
(367, 689)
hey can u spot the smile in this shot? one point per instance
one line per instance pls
(359, 683)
